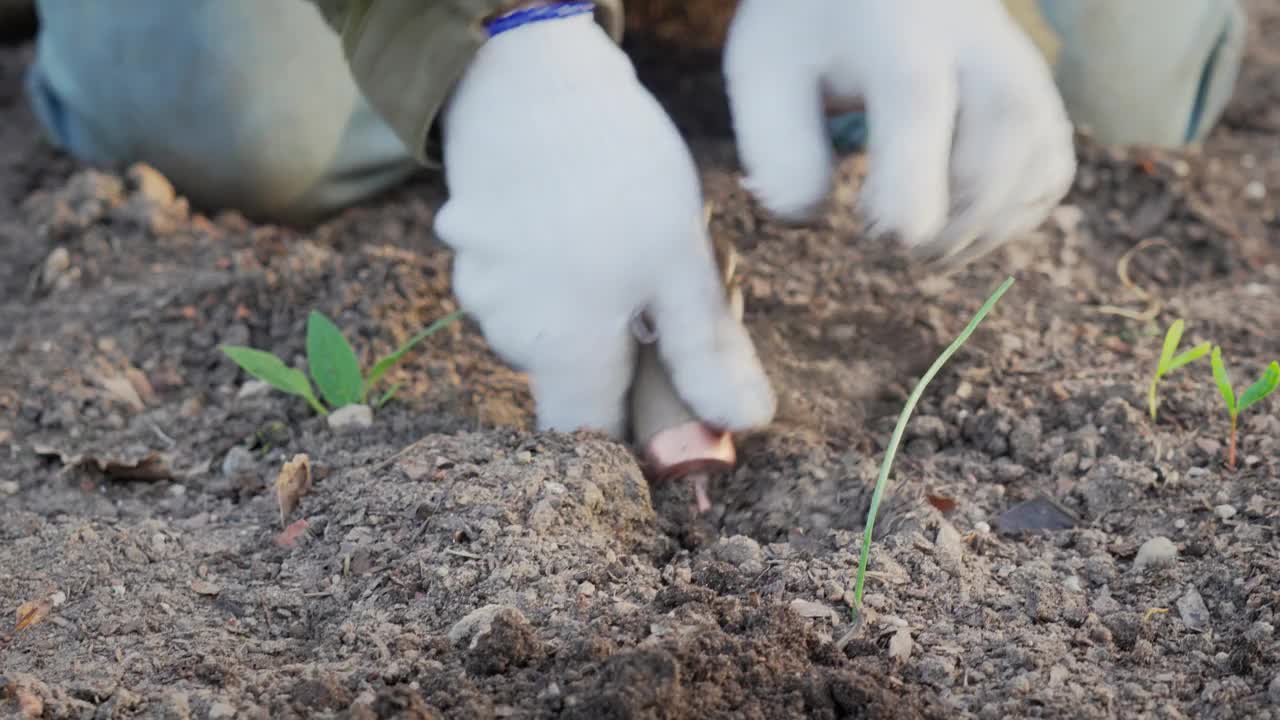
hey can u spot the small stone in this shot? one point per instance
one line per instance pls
(592, 499)
(1156, 552)
(948, 548)
(1105, 604)
(237, 461)
(810, 609)
(741, 552)
(474, 623)
(151, 184)
(938, 670)
(928, 426)
(351, 417)
(57, 263)
(1208, 446)
(1068, 218)
(1180, 524)
(982, 528)
(543, 516)
(1036, 514)
(221, 711)
(900, 645)
(587, 589)
(204, 587)
(1257, 506)
(833, 591)
(1273, 690)
(1260, 633)
(1193, 611)
(1255, 191)
(253, 389)
(29, 704)
(9, 487)
(1024, 439)
(1072, 584)
(505, 640)
(1224, 512)
(874, 600)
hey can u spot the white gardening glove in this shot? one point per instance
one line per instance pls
(969, 145)
(574, 205)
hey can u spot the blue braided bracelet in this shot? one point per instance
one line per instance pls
(553, 11)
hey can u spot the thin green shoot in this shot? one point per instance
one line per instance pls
(892, 449)
(333, 364)
(1170, 362)
(1253, 394)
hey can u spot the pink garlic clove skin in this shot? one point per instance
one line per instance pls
(674, 443)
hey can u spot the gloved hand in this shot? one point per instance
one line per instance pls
(969, 145)
(574, 206)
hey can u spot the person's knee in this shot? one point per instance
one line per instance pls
(1147, 71)
(241, 104)
(292, 169)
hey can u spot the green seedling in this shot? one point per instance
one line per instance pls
(1253, 394)
(333, 364)
(892, 450)
(1170, 362)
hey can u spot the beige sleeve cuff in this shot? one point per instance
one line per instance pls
(407, 55)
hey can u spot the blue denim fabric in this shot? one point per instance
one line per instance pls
(848, 131)
(244, 104)
(1148, 71)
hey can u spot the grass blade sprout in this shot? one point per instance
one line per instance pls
(892, 449)
(1170, 362)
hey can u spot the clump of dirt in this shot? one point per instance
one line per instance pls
(447, 562)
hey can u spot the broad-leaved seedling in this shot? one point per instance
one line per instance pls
(1170, 362)
(1256, 392)
(333, 364)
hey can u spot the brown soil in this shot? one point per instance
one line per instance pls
(456, 565)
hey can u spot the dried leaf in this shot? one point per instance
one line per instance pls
(292, 483)
(810, 609)
(944, 504)
(29, 703)
(1039, 513)
(141, 384)
(204, 587)
(144, 465)
(290, 536)
(33, 613)
(119, 388)
(900, 645)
